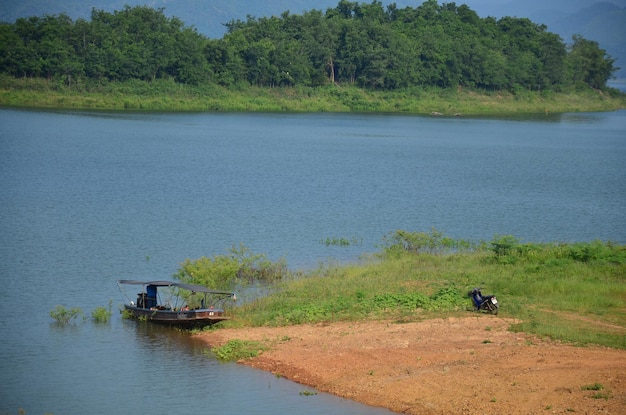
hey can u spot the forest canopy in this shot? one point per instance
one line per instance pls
(364, 44)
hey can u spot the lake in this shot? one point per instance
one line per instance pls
(89, 198)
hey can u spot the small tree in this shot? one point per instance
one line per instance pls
(590, 64)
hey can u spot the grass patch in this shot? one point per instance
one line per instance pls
(238, 349)
(167, 95)
(592, 387)
(553, 290)
(597, 388)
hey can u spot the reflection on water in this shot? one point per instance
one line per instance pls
(583, 118)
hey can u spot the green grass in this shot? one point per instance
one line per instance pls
(164, 95)
(238, 349)
(553, 292)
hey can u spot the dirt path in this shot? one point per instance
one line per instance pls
(467, 365)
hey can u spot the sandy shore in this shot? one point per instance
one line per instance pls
(469, 365)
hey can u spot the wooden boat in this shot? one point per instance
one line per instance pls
(187, 305)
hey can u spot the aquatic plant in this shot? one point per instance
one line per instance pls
(342, 241)
(64, 315)
(102, 314)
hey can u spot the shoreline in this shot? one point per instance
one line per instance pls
(169, 96)
(439, 366)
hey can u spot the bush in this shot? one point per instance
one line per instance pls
(508, 250)
(434, 242)
(64, 316)
(102, 314)
(239, 267)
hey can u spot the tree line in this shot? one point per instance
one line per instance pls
(367, 45)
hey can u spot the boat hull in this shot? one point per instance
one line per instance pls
(187, 319)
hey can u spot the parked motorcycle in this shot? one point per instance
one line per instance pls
(487, 303)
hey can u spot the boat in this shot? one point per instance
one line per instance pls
(186, 306)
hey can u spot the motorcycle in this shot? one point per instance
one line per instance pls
(487, 303)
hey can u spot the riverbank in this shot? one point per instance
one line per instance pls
(395, 332)
(466, 364)
(163, 95)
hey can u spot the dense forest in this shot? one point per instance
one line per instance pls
(367, 45)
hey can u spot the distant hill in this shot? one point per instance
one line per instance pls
(602, 21)
(207, 16)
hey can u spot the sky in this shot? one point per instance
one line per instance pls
(26, 8)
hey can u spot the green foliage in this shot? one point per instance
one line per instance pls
(435, 242)
(445, 299)
(597, 387)
(238, 349)
(342, 241)
(64, 315)
(306, 313)
(589, 64)
(127, 314)
(162, 94)
(392, 304)
(432, 45)
(102, 314)
(592, 387)
(239, 267)
(508, 249)
(503, 245)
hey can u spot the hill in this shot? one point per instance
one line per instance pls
(362, 44)
(601, 21)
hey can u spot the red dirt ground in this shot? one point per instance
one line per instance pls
(471, 365)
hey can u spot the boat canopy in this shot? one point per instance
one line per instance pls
(189, 287)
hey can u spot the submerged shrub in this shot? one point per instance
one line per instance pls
(102, 314)
(64, 315)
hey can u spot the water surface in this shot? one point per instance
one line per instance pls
(92, 197)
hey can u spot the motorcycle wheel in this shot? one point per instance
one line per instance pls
(491, 308)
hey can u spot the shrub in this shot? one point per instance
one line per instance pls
(64, 315)
(225, 272)
(421, 242)
(102, 314)
(504, 245)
